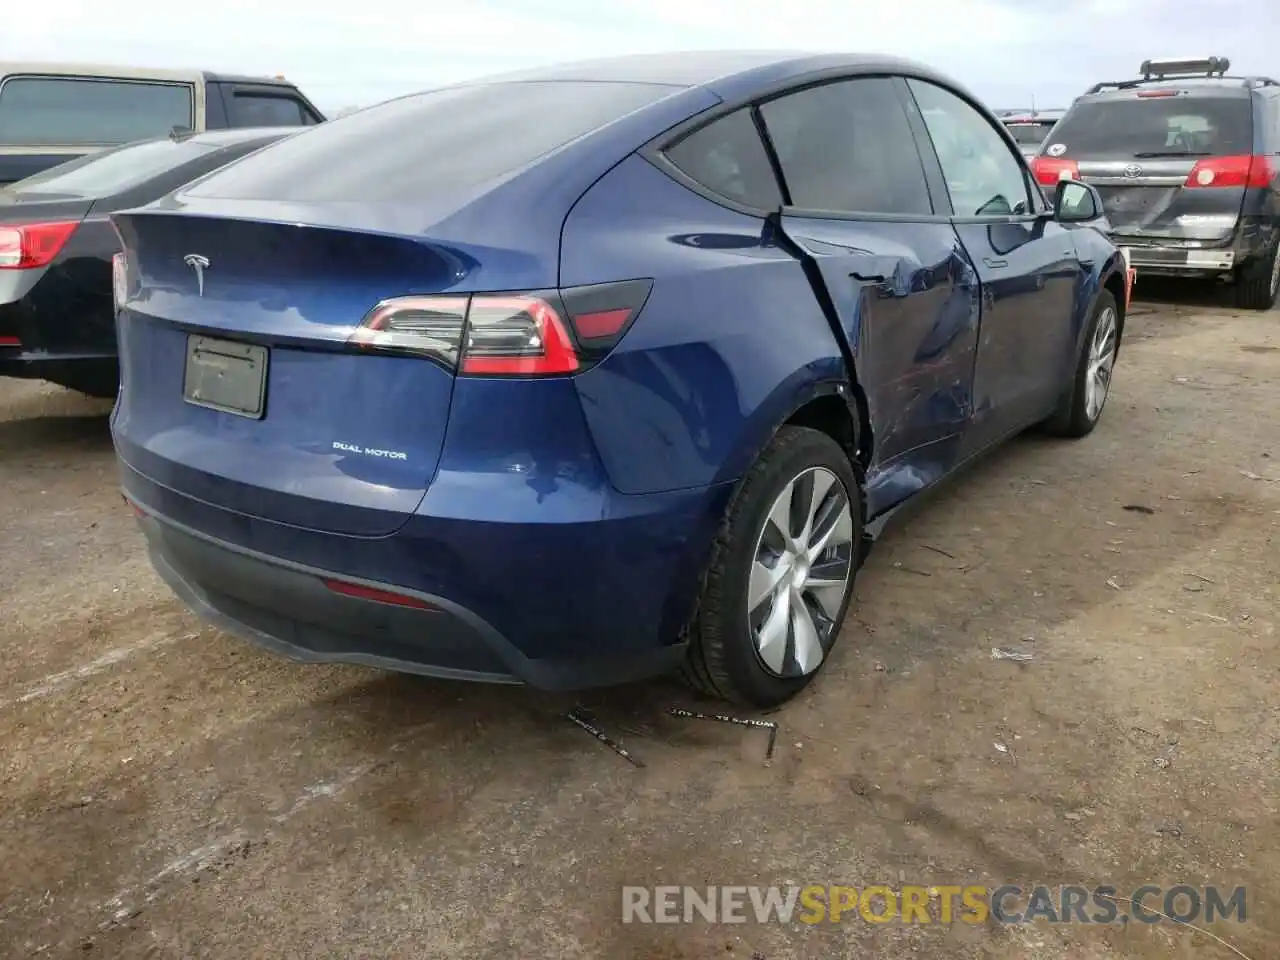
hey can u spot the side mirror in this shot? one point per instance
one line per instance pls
(1076, 202)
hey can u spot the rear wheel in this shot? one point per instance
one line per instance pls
(1082, 407)
(781, 573)
(1258, 283)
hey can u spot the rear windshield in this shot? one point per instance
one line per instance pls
(1209, 126)
(111, 171)
(1030, 134)
(52, 111)
(441, 141)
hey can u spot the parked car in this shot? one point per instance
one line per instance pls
(54, 112)
(1187, 160)
(1031, 129)
(586, 379)
(57, 317)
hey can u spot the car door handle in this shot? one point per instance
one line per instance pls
(995, 264)
(871, 268)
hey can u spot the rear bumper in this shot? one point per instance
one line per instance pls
(1151, 257)
(1178, 261)
(287, 608)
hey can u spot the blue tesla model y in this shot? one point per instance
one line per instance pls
(578, 375)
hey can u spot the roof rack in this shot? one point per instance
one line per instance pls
(1184, 67)
(1247, 82)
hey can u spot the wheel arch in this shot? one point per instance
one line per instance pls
(1107, 278)
(834, 404)
(1114, 282)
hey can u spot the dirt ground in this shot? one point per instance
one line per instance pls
(169, 791)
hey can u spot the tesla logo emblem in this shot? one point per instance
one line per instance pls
(1132, 171)
(198, 264)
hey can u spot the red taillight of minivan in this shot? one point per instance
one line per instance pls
(534, 334)
(1049, 170)
(1238, 171)
(28, 246)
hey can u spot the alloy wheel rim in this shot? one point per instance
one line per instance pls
(800, 573)
(1102, 358)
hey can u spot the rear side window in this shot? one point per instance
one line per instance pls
(1154, 126)
(431, 143)
(259, 110)
(728, 157)
(848, 147)
(59, 111)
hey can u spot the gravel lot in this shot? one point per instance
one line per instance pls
(169, 791)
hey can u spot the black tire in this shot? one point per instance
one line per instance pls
(1073, 418)
(1257, 284)
(723, 661)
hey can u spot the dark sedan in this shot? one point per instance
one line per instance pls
(57, 320)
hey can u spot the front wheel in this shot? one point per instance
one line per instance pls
(781, 573)
(1082, 406)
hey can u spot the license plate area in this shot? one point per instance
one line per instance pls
(227, 376)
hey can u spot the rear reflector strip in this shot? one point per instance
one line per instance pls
(606, 323)
(359, 591)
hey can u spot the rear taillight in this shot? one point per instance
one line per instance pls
(430, 326)
(120, 279)
(509, 334)
(1049, 170)
(1240, 171)
(517, 336)
(30, 245)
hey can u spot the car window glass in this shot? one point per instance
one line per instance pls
(728, 158)
(848, 147)
(257, 110)
(108, 172)
(57, 111)
(1030, 134)
(435, 143)
(1123, 128)
(984, 176)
